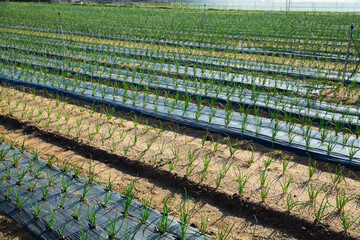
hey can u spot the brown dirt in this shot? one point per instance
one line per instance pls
(185, 50)
(221, 205)
(11, 230)
(344, 94)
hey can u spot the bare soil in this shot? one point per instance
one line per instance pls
(64, 128)
(11, 230)
(328, 65)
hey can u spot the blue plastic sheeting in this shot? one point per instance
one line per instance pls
(65, 224)
(242, 126)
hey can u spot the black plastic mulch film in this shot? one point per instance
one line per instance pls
(270, 52)
(65, 225)
(157, 108)
(295, 105)
(291, 71)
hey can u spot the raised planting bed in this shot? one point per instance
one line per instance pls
(198, 45)
(324, 145)
(35, 45)
(214, 90)
(53, 203)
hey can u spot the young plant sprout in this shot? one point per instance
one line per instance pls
(113, 230)
(347, 222)
(146, 211)
(50, 219)
(92, 214)
(107, 198)
(21, 176)
(285, 89)
(84, 193)
(165, 221)
(61, 230)
(313, 191)
(319, 210)
(31, 184)
(36, 210)
(290, 203)
(129, 195)
(223, 234)
(20, 200)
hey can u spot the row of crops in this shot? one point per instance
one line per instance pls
(279, 83)
(26, 43)
(334, 54)
(186, 24)
(219, 101)
(54, 203)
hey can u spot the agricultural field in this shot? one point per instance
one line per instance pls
(144, 123)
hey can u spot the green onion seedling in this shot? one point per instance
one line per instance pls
(264, 191)
(262, 177)
(203, 225)
(91, 173)
(285, 164)
(206, 162)
(110, 185)
(50, 219)
(285, 184)
(65, 183)
(36, 153)
(32, 184)
(222, 172)
(313, 192)
(145, 212)
(92, 216)
(9, 191)
(290, 203)
(252, 157)
(36, 210)
(185, 215)
(129, 195)
(21, 176)
(84, 193)
(342, 200)
(113, 230)
(44, 191)
(339, 177)
(16, 160)
(62, 200)
(253, 231)
(346, 221)
(319, 210)
(77, 169)
(223, 234)
(107, 198)
(77, 211)
(20, 201)
(204, 139)
(241, 179)
(165, 221)
(3, 153)
(232, 149)
(61, 231)
(352, 150)
(268, 162)
(311, 168)
(51, 179)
